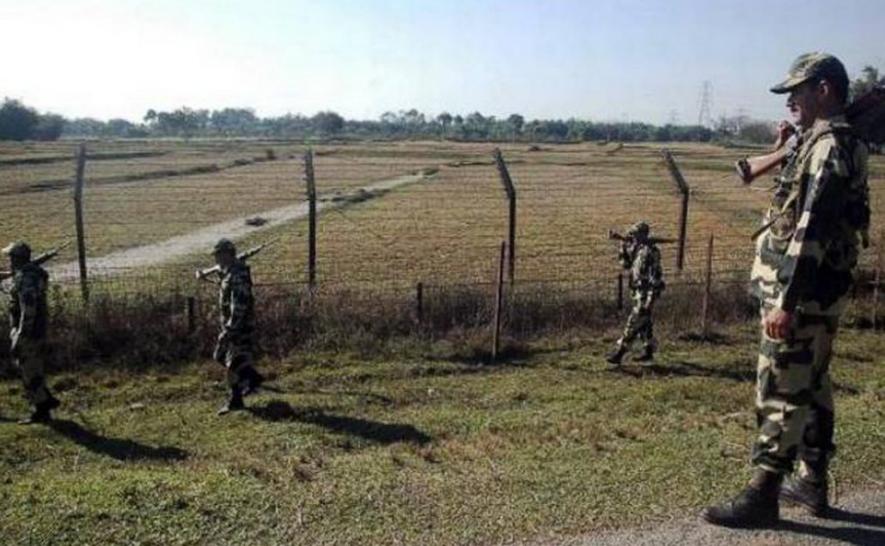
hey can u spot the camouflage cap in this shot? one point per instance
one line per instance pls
(639, 228)
(18, 249)
(224, 245)
(812, 65)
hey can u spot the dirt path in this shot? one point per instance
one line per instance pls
(203, 239)
(859, 519)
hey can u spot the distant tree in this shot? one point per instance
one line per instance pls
(184, 122)
(413, 117)
(122, 128)
(516, 122)
(17, 121)
(444, 119)
(552, 129)
(233, 121)
(328, 122)
(759, 132)
(150, 116)
(84, 127)
(49, 127)
(476, 126)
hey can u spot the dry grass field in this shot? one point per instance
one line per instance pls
(443, 230)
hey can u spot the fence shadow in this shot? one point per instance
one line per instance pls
(374, 431)
(120, 449)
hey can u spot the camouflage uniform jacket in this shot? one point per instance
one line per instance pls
(237, 304)
(27, 302)
(644, 262)
(805, 258)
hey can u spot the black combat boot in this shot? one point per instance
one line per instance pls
(252, 379)
(235, 403)
(810, 492)
(42, 412)
(614, 358)
(754, 507)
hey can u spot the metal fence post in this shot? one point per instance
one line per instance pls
(311, 220)
(683, 188)
(79, 182)
(507, 182)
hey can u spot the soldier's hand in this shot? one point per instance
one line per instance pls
(778, 323)
(785, 130)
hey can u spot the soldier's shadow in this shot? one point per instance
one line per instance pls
(117, 448)
(861, 536)
(374, 431)
(683, 368)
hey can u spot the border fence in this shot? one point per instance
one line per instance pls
(421, 236)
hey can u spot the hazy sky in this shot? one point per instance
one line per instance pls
(596, 59)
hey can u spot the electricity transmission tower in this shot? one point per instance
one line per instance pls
(705, 118)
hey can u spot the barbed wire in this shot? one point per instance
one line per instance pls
(464, 197)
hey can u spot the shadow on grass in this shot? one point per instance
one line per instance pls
(684, 369)
(369, 397)
(871, 530)
(713, 338)
(116, 448)
(690, 369)
(870, 520)
(374, 431)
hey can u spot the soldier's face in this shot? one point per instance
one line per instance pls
(803, 104)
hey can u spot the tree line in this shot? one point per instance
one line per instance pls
(20, 122)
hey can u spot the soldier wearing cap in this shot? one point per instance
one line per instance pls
(641, 257)
(801, 274)
(234, 349)
(28, 319)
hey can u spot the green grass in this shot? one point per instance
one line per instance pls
(424, 449)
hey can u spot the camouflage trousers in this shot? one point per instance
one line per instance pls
(29, 360)
(639, 324)
(237, 359)
(794, 397)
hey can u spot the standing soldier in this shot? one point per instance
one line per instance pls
(235, 342)
(802, 273)
(28, 319)
(640, 255)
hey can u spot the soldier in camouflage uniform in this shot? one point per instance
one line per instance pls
(801, 274)
(28, 319)
(234, 349)
(642, 258)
